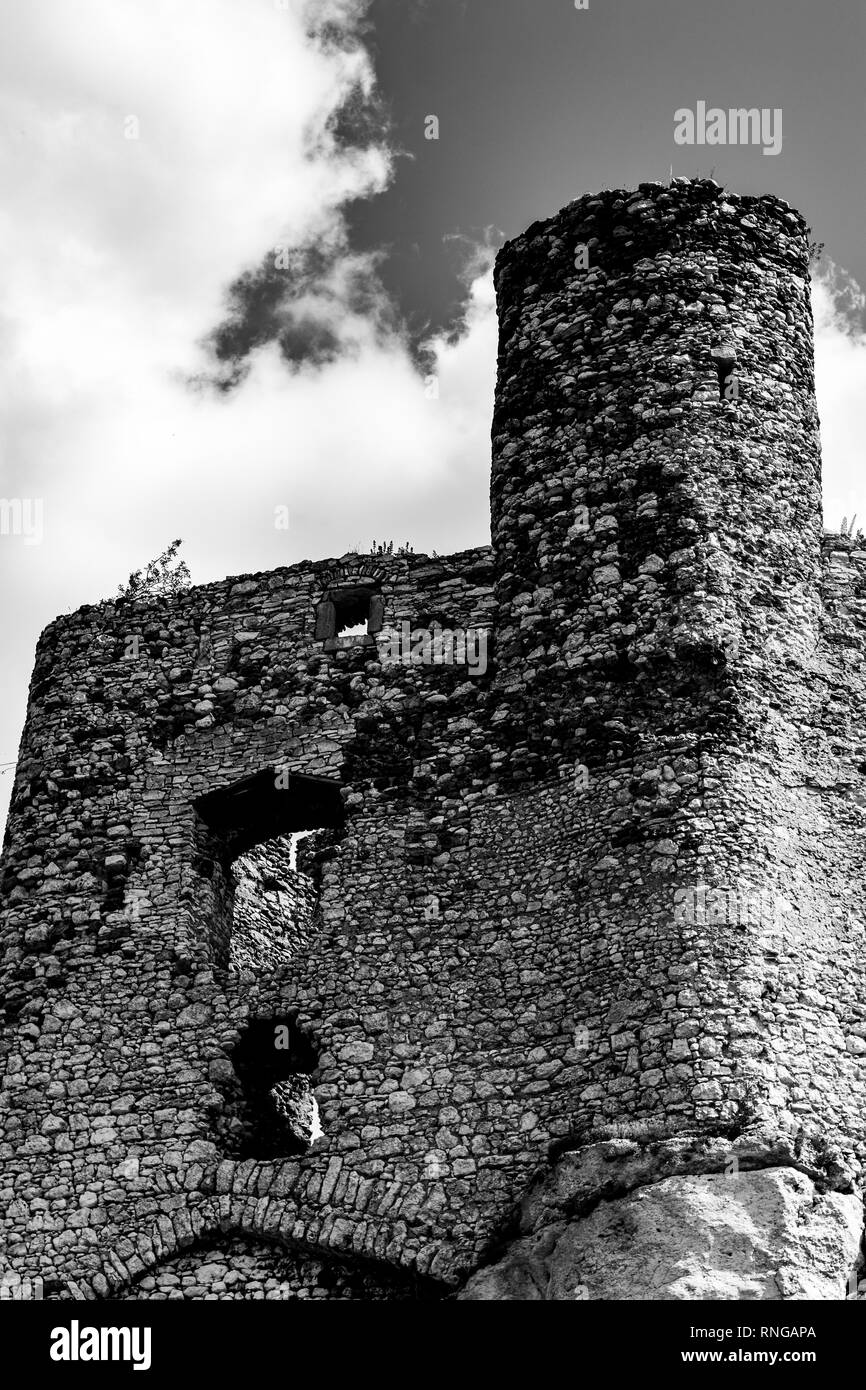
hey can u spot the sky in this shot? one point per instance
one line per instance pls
(232, 259)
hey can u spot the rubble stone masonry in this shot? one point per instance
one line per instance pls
(548, 1058)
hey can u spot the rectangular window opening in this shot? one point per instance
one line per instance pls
(263, 843)
(353, 611)
(352, 615)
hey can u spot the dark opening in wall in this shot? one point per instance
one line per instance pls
(274, 802)
(264, 843)
(352, 615)
(261, 901)
(270, 1108)
(354, 610)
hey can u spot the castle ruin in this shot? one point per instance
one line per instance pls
(328, 976)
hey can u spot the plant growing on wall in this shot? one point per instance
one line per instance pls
(387, 548)
(167, 574)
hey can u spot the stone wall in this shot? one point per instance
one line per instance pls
(273, 906)
(658, 554)
(605, 891)
(247, 1269)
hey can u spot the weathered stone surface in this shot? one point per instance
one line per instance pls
(762, 1235)
(579, 1179)
(609, 888)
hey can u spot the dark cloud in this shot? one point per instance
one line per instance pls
(324, 300)
(320, 300)
(364, 119)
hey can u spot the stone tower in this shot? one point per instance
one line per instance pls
(580, 921)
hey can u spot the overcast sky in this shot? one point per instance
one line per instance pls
(229, 257)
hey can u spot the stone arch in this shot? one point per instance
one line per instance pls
(238, 1265)
(264, 1224)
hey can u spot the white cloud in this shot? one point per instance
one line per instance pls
(116, 255)
(840, 372)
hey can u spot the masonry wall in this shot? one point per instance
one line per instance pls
(658, 556)
(500, 960)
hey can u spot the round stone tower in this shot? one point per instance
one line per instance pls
(656, 522)
(656, 458)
